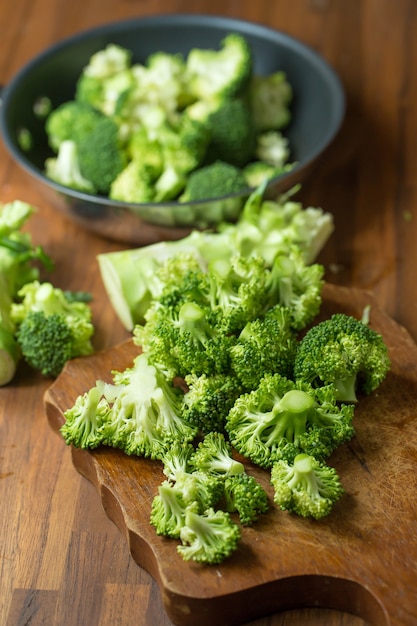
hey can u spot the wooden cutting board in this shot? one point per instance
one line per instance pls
(362, 558)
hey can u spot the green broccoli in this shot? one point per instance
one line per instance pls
(209, 538)
(244, 494)
(209, 399)
(345, 352)
(225, 71)
(65, 168)
(200, 488)
(266, 344)
(214, 180)
(183, 144)
(306, 487)
(84, 420)
(145, 149)
(134, 183)
(270, 98)
(70, 121)
(144, 418)
(168, 510)
(214, 455)
(177, 460)
(281, 418)
(51, 329)
(256, 172)
(272, 148)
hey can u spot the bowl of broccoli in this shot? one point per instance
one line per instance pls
(145, 129)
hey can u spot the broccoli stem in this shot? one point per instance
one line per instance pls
(289, 416)
(346, 389)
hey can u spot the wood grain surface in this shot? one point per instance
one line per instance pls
(62, 561)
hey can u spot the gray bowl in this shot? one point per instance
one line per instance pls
(317, 114)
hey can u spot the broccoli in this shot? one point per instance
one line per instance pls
(144, 149)
(134, 183)
(200, 488)
(266, 344)
(214, 180)
(270, 98)
(65, 168)
(51, 329)
(345, 352)
(70, 121)
(208, 400)
(307, 487)
(281, 418)
(183, 144)
(9, 348)
(144, 418)
(84, 420)
(243, 493)
(214, 455)
(256, 172)
(177, 460)
(223, 72)
(210, 537)
(272, 148)
(168, 510)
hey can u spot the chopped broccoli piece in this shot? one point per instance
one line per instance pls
(281, 418)
(270, 98)
(144, 149)
(201, 489)
(210, 537)
(209, 400)
(214, 455)
(267, 344)
(214, 180)
(307, 487)
(168, 510)
(272, 148)
(70, 121)
(135, 183)
(243, 493)
(177, 460)
(257, 172)
(222, 72)
(65, 168)
(345, 352)
(84, 420)
(183, 144)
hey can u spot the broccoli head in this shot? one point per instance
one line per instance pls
(243, 493)
(168, 510)
(272, 148)
(214, 180)
(64, 168)
(69, 121)
(85, 419)
(345, 352)
(270, 97)
(135, 183)
(306, 487)
(214, 456)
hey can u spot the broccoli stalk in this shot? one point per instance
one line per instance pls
(307, 488)
(214, 455)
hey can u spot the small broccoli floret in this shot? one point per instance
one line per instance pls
(144, 149)
(70, 121)
(214, 455)
(209, 400)
(214, 180)
(208, 538)
(266, 345)
(177, 460)
(200, 489)
(281, 418)
(135, 183)
(225, 71)
(345, 352)
(307, 487)
(272, 148)
(65, 168)
(183, 144)
(270, 98)
(168, 510)
(84, 420)
(257, 172)
(243, 493)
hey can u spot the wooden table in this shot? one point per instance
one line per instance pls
(62, 562)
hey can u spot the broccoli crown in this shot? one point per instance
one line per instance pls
(213, 180)
(84, 420)
(65, 168)
(135, 183)
(345, 352)
(200, 488)
(257, 172)
(243, 493)
(266, 344)
(209, 537)
(209, 400)
(71, 120)
(270, 97)
(144, 418)
(145, 149)
(168, 510)
(307, 487)
(177, 460)
(184, 144)
(214, 455)
(272, 148)
(100, 155)
(225, 71)
(282, 418)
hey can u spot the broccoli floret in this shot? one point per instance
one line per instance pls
(146, 150)
(214, 180)
(345, 352)
(210, 537)
(169, 185)
(257, 172)
(135, 183)
(65, 168)
(281, 418)
(145, 411)
(272, 148)
(201, 489)
(168, 510)
(69, 121)
(51, 329)
(266, 344)
(214, 455)
(84, 420)
(209, 400)
(243, 493)
(177, 460)
(183, 144)
(225, 71)
(270, 98)
(307, 487)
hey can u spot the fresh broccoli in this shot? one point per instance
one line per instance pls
(272, 148)
(209, 538)
(214, 455)
(183, 144)
(306, 487)
(281, 418)
(51, 329)
(169, 184)
(9, 348)
(200, 488)
(214, 180)
(70, 121)
(243, 493)
(257, 172)
(270, 98)
(267, 344)
(222, 72)
(84, 420)
(64, 168)
(209, 399)
(135, 183)
(144, 149)
(177, 460)
(168, 510)
(145, 408)
(345, 352)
